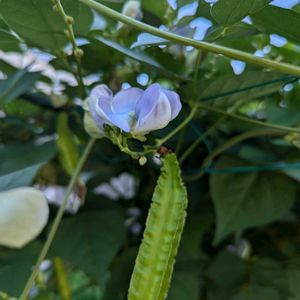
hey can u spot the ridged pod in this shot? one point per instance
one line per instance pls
(156, 257)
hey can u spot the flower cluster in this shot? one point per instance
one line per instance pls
(132, 110)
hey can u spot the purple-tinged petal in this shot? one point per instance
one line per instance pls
(101, 91)
(126, 100)
(123, 121)
(104, 111)
(92, 102)
(153, 110)
(99, 104)
(148, 101)
(175, 103)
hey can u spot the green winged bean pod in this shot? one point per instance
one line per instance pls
(154, 264)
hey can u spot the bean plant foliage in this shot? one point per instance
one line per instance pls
(149, 150)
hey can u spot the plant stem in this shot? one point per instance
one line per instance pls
(248, 120)
(228, 144)
(218, 49)
(77, 52)
(160, 142)
(57, 220)
(189, 150)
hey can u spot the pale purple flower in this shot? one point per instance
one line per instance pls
(134, 110)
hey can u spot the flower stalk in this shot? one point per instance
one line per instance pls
(57, 221)
(77, 52)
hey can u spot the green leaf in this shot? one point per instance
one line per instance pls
(228, 12)
(257, 293)
(239, 30)
(90, 241)
(158, 8)
(141, 57)
(267, 21)
(68, 152)
(293, 276)
(242, 200)
(26, 204)
(16, 84)
(218, 270)
(117, 286)
(185, 285)
(8, 42)
(268, 272)
(19, 163)
(16, 267)
(228, 89)
(154, 264)
(39, 25)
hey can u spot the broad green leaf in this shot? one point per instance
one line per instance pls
(141, 57)
(90, 241)
(19, 163)
(8, 42)
(241, 200)
(16, 84)
(158, 8)
(154, 264)
(67, 149)
(16, 267)
(39, 25)
(259, 4)
(257, 293)
(239, 30)
(267, 20)
(117, 286)
(293, 277)
(185, 285)
(218, 270)
(268, 272)
(23, 215)
(228, 12)
(228, 89)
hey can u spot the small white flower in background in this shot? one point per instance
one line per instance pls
(55, 195)
(132, 9)
(24, 213)
(242, 248)
(124, 186)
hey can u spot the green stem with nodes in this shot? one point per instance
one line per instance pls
(57, 220)
(228, 144)
(248, 120)
(214, 48)
(160, 142)
(77, 52)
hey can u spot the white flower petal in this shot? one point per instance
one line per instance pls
(23, 215)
